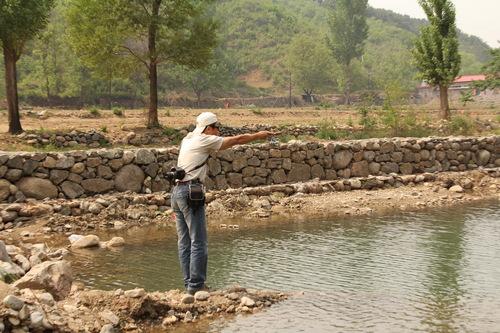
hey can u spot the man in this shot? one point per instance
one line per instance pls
(190, 219)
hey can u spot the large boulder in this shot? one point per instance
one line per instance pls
(129, 178)
(53, 276)
(37, 188)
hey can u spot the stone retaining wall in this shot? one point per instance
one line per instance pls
(86, 173)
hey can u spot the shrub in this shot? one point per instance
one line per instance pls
(256, 110)
(465, 97)
(366, 121)
(94, 111)
(117, 111)
(327, 131)
(104, 129)
(460, 125)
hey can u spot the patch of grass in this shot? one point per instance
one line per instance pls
(460, 125)
(94, 111)
(324, 106)
(104, 129)
(256, 110)
(327, 131)
(118, 111)
(168, 113)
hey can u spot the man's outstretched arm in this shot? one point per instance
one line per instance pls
(245, 138)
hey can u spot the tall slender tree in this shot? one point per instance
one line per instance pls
(346, 40)
(436, 50)
(20, 20)
(149, 32)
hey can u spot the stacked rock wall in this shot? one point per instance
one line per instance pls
(85, 173)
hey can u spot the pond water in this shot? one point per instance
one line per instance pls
(432, 271)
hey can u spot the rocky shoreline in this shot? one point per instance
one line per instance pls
(46, 297)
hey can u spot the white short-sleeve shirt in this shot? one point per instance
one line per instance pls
(195, 149)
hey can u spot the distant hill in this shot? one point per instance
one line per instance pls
(256, 33)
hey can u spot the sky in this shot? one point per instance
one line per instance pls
(480, 18)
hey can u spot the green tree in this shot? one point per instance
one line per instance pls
(149, 32)
(310, 64)
(436, 50)
(216, 76)
(492, 71)
(346, 40)
(20, 21)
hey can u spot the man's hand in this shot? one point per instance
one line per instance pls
(266, 134)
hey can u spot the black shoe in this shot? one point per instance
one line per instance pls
(194, 291)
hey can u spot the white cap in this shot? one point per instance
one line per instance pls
(203, 120)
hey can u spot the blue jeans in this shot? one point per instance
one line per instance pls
(192, 239)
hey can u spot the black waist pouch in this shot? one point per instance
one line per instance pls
(196, 197)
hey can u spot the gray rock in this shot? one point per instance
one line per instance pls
(360, 169)
(64, 162)
(13, 302)
(15, 162)
(144, 156)
(108, 328)
(78, 168)
(97, 185)
(95, 208)
(278, 176)
(8, 216)
(109, 317)
(299, 172)
(187, 299)
(36, 319)
(29, 167)
(201, 295)
(456, 189)
(72, 190)
(47, 299)
(13, 175)
(37, 188)
(247, 301)
(406, 168)
(128, 157)
(483, 157)
(135, 293)
(4, 255)
(341, 159)
(3, 170)
(104, 171)
(85, 242)
(53, 276)
(129, 178)
(57, 176)
(4, 189)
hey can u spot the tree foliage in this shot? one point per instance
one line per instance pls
(492, 71)
(348, 32)
(20, 20)
(310, 64)
(146, 32)
(436, 50)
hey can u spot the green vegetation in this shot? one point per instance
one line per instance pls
(436, 51)
(20, 21)
(117, 111)
(466, 97)
(94, 112)
(105, 32)
(460, 125)
(265, 47)
(346, 40)
(255, 110)
(174, 135)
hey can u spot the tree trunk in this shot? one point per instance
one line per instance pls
(110, 88)
(443, 96)
(290, 91)
(153, 97)
(198, 98)
(10, 59)
(153, 72)
(347, 88)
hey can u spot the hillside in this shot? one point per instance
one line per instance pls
(254, 37)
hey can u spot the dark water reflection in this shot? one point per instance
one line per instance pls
(436, 271)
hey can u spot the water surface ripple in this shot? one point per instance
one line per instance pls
(433, 271)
